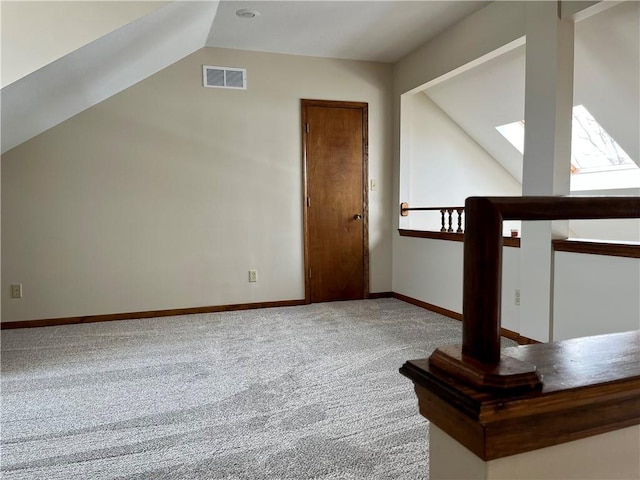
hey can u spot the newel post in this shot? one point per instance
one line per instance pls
(479, 360)
(482, 281)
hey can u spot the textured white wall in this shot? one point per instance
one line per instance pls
(165, 195)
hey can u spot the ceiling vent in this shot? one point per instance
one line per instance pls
(224, 77)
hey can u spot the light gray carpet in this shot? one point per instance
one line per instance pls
(283, 393)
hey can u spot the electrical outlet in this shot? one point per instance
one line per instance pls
(253, 276)
(16, 291)
(517, 299)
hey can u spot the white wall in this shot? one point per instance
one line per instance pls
(611, 455)
(446, 165)
(627, 230)
(429, 270)
(432, 271)
(595, 294)
(165, 195)
(484, 97)
(476, 37)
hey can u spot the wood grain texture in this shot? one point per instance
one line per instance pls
(587, 390)
(508, 374)
(364, 107)
(335, 157)
(49, 322)
(594, 247)
(452, 236)
(335, 189)
(511, 242)
(562, 208)
(482, 281)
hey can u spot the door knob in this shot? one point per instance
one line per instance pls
(357, 216)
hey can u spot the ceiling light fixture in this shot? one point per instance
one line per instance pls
(247, 13)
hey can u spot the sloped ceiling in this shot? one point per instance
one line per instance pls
(35, 34)
(607, 83)
(102, 68)
(67, 72)
(484, 97)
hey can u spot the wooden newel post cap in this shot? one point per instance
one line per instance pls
(508, 374)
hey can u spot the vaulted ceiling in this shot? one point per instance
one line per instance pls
(606, 82)
(62, 57)
(84, 75)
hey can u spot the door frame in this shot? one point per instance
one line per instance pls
(364, 108)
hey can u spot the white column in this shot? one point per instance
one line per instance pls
(547, 155)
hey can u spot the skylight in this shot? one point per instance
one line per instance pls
(592, 148)
(514, 132)
(593, 151)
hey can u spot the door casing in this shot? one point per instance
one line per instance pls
(364, 107)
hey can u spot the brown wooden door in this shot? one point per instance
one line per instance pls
(336, 228)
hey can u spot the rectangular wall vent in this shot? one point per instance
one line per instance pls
(224, 77)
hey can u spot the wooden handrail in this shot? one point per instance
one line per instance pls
(597, 247)
(483, 255)
(405, 209)
(479, 360)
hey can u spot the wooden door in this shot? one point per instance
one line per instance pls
(335, 204)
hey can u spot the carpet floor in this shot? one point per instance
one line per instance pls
(309, 392)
